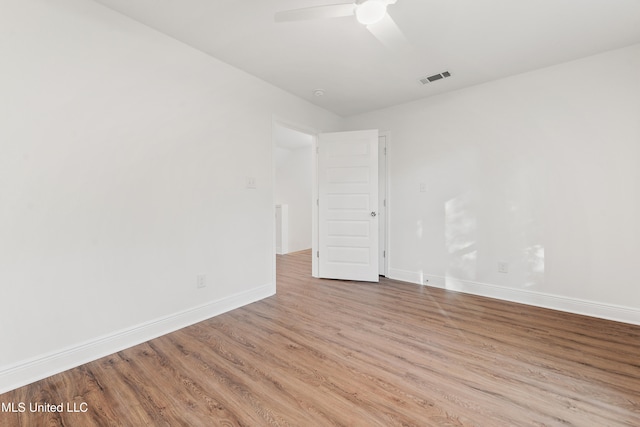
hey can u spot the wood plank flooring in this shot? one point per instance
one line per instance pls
(325, 352)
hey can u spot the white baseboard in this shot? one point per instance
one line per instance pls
(405, 276)
(539, 299)
(29, 371)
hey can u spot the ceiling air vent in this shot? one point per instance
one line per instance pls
(435, 77)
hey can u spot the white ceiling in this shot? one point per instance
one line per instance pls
(476, 40)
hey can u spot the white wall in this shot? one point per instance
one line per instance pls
(123, 162)
(539, 170)
(293, 187)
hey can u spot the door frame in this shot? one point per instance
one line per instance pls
(384, 224)
(309, 130)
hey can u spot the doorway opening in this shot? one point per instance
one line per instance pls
(295, 183)
(293, 161)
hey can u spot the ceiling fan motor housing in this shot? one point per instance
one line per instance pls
(369, 12)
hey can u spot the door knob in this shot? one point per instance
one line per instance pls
(373, 214)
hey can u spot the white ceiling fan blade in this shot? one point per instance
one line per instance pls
(317, 12)
(388, 33)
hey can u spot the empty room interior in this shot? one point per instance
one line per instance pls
(319, 212)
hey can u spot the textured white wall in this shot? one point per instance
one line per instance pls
(539, 170)
(123, 163)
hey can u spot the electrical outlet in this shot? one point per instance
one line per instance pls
(423, 187)
(503, 267)
(201, 281)
(251, 182)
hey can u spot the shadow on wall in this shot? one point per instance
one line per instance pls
(460, 238)
(522, 262)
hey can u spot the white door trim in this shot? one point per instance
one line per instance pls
(384, 223)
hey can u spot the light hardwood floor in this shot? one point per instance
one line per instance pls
(325, 352)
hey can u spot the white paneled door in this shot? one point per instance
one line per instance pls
(348, 205)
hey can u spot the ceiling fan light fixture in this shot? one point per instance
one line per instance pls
(371, 11)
